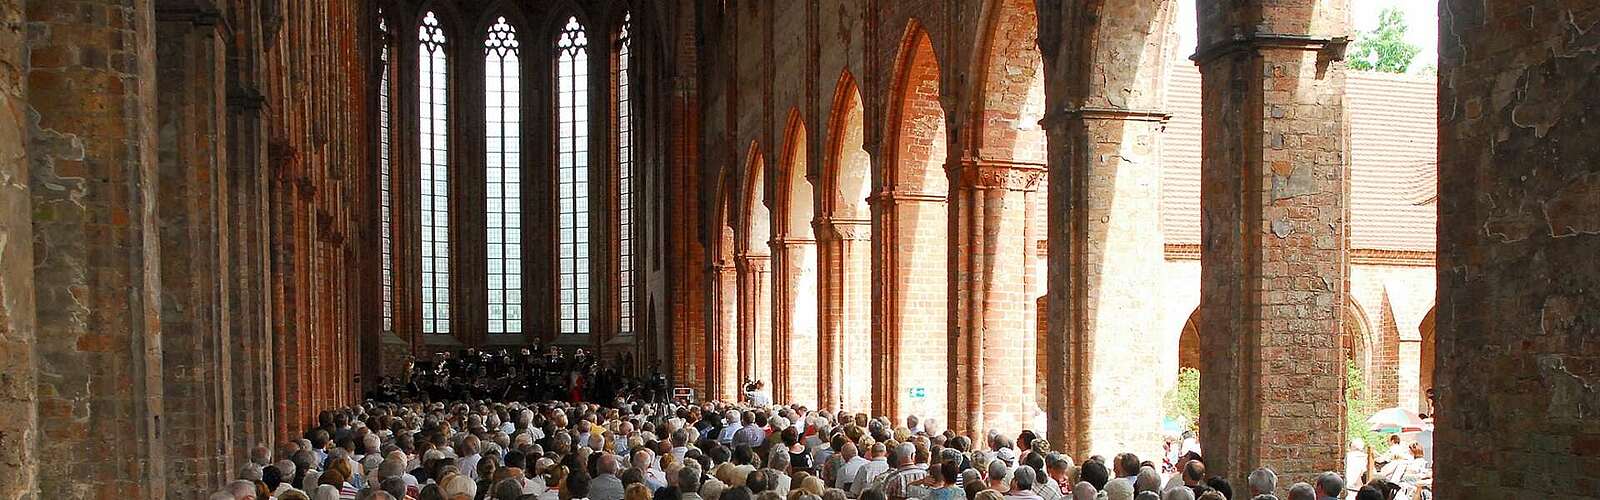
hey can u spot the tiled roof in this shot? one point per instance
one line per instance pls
(1393, 160)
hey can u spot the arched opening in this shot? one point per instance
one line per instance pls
(911, 214)
(795, 278)
(723, 342)
(755, 277)
(1004, 139)
(844, 238)
(1189, 343)
(1355, 341)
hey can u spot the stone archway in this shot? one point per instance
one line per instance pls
(753, 262)
(723, 342)
(910, 227)
(843, 228)
(795, 274)
(1189, 343)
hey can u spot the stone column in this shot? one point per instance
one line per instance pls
(1517, 385)
(991, 311)
(723, 353)
(92, 174)
(755, 318)
(1274, 203)
(192, 208)
(844, 362)
(794, 329)
(19, 463)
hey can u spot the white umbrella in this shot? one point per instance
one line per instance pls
(1395, 420)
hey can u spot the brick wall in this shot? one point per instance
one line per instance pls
(92, 170)
(19, 430)
(1516, 362)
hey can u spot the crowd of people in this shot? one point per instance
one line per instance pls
(632, 448)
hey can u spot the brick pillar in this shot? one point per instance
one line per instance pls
(19, 464)
(723, 353)
(1274, 198)
(250, 299)
(1106, 317)
(794, 321)
(1515, 371)
(249, 302)
(844, 359)
(92, 153)
(192, 207)
(991, 311)
(909, 289)
(755, 318)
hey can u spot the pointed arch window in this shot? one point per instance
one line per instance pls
(625, 195)
(503, 133)
(572, 152)
(385, 171)
(434, 205)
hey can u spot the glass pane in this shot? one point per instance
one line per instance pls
(433, 181)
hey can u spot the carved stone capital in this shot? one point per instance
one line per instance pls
(754, 263)
(982, 173)
(839, 229)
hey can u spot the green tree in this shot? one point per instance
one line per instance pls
(1384, 49)
(1182, 402)
(1359, 406)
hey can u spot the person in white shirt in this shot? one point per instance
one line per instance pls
(644, 460)
(847, 470)
(1355, 466)
(870, 470)
(468, 463)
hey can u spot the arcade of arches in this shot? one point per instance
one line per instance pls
(219, 217)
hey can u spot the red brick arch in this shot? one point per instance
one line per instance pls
(847, 170)
(722, 341)
(794, 271)
(753, 267)
(910, 227)
(1008, 96)
(844, 257)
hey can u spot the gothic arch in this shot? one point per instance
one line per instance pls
(795, 280)
(911, 232)
(844, 242)
(722, 343)
(753, 265)
(1189, 342)
(847, 169)
(1008, 91)
(1356, 342)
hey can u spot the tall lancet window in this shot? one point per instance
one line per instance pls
(624, 141)
(385, 172)
(572, 151)
(502, 91)
(434, 205)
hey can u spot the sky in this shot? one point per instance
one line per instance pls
(1422, 21)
